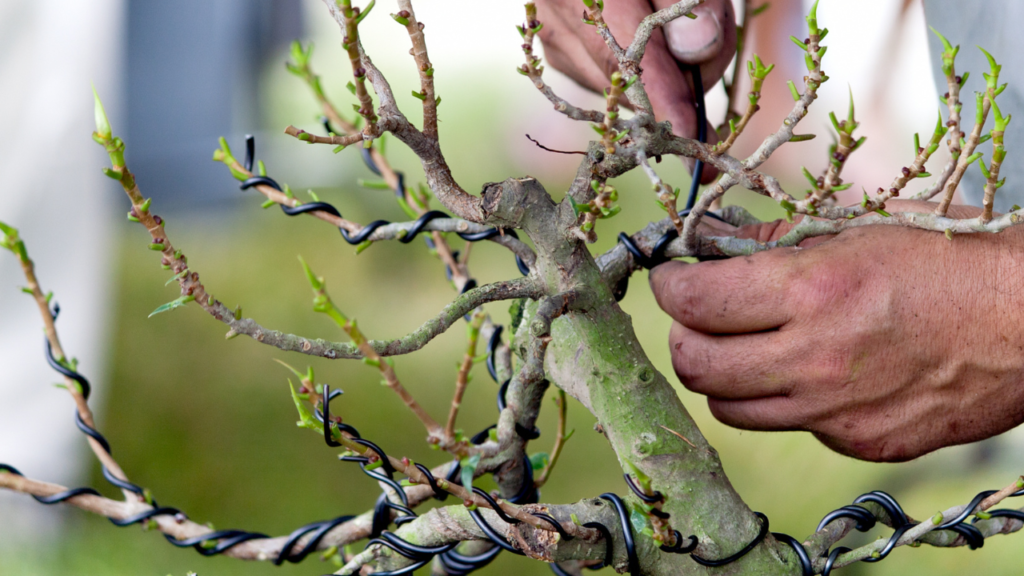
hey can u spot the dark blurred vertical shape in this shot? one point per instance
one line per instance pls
(192, 75)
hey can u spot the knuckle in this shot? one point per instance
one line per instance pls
(685, 302)
(823, 286)
(692, 367)
(864, 440)
(834, 368)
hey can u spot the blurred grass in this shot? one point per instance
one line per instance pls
(207, 424)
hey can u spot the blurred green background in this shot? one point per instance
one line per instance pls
(208, 425)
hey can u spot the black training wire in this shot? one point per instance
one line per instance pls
(806, 567)
(492, 345)
(457, 564)
(830, 562)
(679, 547)
(901, 523)
(888, 503)
(968, 510)
(521, 430)
(417, 227)
(627, 531)
(702, 133)
(657, 255)
(461, 565)
(318, 530)
(865, 519)
(225, 539)
(743, 551)
(609, 545)
(648, 498)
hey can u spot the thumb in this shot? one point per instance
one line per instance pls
(695, 41)
(708, 41)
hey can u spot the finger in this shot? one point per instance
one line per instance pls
(565, 50)
(667, 87)
(578, 51)
(775, 413)
(736, 367)
(735, 296)
(709, 40)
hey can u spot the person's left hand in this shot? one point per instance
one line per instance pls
(709, 41)
(885, 342)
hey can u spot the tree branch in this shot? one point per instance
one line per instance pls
(453, 524)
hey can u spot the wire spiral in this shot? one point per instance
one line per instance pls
(380, 469)
(414, 230)
(657, 255)
(457, 564)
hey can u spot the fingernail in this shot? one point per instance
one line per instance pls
(695, 41)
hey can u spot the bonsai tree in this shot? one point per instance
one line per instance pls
(681, 514)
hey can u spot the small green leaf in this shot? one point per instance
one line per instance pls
(306, 419)
(810, 177)
(176, 303)
(315, 281)
(365, 12)
(469, 470)
(539, 460)
(638, 519)
(102, 124)
(373, 184)
(176, 277)
(577, 208)
(984, 171)
(793, 90)
(812, 19)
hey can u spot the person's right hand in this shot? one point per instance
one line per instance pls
(577, 50)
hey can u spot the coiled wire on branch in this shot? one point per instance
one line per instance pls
(454, 563)
(418, 225)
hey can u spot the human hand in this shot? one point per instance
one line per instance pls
(885, 342)
(576, 49)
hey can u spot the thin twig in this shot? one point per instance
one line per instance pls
(463, 376)
(560, 439)
(543, 147)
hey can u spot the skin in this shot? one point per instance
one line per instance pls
(886, 343)
(576, 50)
